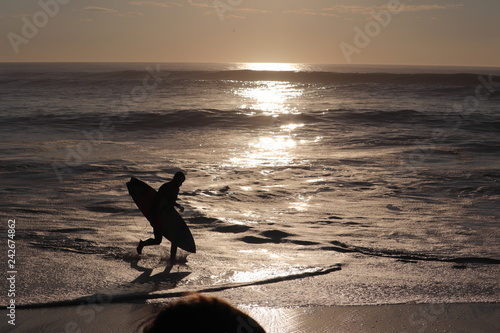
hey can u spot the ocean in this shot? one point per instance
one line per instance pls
(307, 185)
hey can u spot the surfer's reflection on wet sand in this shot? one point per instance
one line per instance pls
(198, 313)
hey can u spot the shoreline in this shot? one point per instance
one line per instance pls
(400, 318)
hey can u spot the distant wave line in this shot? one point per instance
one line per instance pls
(438, 79)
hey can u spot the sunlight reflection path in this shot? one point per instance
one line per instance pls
(270, 66)
(269, 98)
(272, 98)
(274, 150)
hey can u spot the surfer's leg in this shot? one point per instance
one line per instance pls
(140, 246)
(153, 241)
(173, 253)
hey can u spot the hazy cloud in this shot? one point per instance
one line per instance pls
(156, 4)
(21, 15)
(419, 8)
(338, 10)
(94, 9)
(368, 10)
(252, 11)
(102, 10)
(201, 4)
(229, 11)
(231, 16)
(130, 14)
(346, 9)
(305, 11)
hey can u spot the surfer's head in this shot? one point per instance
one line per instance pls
(197, 313)
(179, 178)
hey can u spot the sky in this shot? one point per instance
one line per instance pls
(389, 32)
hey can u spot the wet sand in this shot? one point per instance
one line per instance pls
(400, 318)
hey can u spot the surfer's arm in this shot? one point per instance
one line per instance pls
(169, 194)
(172, 201)
(179, 206)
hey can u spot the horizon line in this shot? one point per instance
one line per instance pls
(246, 62)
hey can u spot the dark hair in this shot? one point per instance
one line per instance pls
(179, 176)
(197, 313)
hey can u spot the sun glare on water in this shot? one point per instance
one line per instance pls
(272, 98)
(267, 151)
(275, 149)
(272, 95)
(274, 144)
(275, 98)
(269, 66)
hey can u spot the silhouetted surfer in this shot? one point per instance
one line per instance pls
(165, 199)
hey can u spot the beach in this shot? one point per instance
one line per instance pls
(320, 198)
(475, 317)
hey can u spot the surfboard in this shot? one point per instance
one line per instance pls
(169, 220)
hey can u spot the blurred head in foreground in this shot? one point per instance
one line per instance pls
(197, 313)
